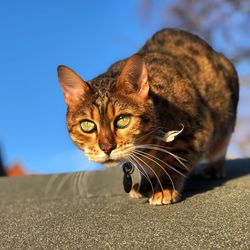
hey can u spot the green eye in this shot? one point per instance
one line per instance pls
(88, 126)
(122, 121)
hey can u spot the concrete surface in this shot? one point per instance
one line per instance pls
(91, 211)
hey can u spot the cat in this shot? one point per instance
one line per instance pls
(176, 81)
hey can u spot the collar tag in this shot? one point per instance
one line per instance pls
(128, 169)
(170, 135)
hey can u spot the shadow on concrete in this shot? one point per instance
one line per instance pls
(198, 184)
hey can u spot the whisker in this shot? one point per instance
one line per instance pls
(178, 158)
(159, 148)
(134, 161)
(136, 156)
(162, 147)
(177, 171)
(156, 145)
(159, 166)
(134, 164)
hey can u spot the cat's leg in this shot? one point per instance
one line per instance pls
(166, 170)
(135, 193)
(165, 193)
(172, 174)
(165, 197)
(216, 158)
(142, 189)
(215, 169)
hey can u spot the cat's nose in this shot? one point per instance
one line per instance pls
(107, 147)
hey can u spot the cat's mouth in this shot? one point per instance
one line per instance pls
(112, 160)
(111, 163)
(107, 161)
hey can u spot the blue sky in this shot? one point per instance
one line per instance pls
(37, 36)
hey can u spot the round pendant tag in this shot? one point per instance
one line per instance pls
(128, 169)
(127, 182)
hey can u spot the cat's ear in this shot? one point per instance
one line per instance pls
(135, 76)
(73, 87)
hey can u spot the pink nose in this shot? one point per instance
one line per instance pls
(107, 147)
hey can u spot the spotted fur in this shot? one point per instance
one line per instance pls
(175, 79)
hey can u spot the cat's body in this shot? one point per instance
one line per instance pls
(175, 80)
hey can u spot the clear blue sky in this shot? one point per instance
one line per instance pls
(36, 36)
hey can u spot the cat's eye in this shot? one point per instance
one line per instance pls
(122, 121)
(88, 126)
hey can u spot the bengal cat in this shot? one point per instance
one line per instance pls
(176, 81)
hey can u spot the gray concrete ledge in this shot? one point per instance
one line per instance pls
(90, 210)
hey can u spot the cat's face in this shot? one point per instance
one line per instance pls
(108, 117)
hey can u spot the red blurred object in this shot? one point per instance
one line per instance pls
(15, 170)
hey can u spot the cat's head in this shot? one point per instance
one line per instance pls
(108, 116)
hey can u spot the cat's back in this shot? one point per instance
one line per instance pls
(176, 42)
(210, 73)
(190, 51)
(183, 46)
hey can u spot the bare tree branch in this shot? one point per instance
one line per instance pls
(224, 24)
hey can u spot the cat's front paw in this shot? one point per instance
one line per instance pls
(167, 196)
(134, 193)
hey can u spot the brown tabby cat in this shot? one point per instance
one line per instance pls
(176, 81)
